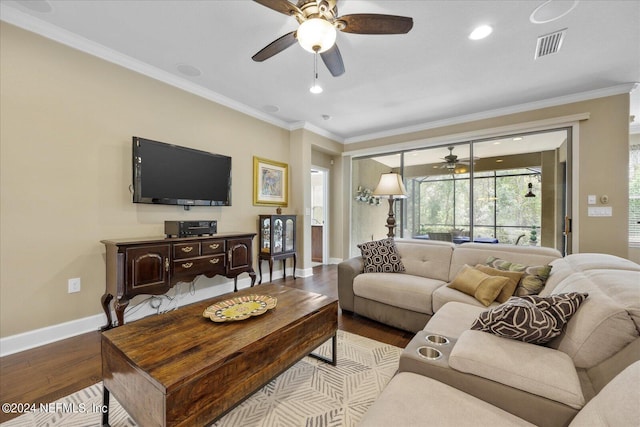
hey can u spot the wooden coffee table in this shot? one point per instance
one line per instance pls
(182, 369)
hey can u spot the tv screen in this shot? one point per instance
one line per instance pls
(172, 175)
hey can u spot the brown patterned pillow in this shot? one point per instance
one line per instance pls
(533, 279)
(381, 256)
(532, 319)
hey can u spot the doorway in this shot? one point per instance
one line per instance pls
(319, 215)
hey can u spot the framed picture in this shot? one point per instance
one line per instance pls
(270, 182)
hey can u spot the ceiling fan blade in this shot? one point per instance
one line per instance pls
(371, 23)
(275, 46)
(282, 6)
(333, 60)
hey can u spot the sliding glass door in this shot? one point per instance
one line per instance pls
(513, 189)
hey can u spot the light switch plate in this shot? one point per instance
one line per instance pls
(591, 199)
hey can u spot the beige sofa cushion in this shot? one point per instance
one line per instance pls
(399, 290)
(445, 294)
(415, 400)
(607, 321)
(616, 404)
(453, 319)
(532, 368)
(426, 258)
(563, 267)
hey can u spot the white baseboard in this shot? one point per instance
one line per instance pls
(304, 272)
(181, 294)
(26, 340)
(335, 260)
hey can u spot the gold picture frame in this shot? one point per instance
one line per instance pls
(270, 183)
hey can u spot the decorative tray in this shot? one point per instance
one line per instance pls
(240, 308)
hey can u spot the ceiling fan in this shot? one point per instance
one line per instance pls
(319, 22)
(453, 164)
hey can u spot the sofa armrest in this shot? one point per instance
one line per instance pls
(532, 368)
(347, 271)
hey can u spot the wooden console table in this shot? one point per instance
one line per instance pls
(152, 266)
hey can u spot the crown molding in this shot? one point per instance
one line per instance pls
(27, 22)
(529, 106)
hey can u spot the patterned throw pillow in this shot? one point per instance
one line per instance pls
(533, 279)
(381, 256)
(532, 319)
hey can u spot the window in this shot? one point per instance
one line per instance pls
(634, 195)
(488, 190)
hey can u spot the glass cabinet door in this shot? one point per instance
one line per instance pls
(277, 235)
(265, 235)
(289, 235)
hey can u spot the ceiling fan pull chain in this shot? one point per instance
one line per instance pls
(316, 88)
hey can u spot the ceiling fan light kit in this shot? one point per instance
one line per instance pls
(319, 24)
(316, 35)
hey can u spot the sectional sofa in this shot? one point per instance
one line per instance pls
(407, 301)
(454, 353)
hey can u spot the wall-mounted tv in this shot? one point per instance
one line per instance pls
(172, 175)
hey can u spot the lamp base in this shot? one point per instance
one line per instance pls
(391, 220)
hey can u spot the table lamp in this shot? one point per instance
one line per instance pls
(391, 187)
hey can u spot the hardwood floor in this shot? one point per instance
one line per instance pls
(50, 372)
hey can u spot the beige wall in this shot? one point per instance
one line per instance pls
(603, 145)
(66, 122)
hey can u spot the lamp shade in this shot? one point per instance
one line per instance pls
(390, 185)
(316, 34)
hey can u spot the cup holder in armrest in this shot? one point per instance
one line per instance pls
(429, 353)
(437, 339)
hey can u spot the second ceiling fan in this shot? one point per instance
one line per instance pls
(319, 22)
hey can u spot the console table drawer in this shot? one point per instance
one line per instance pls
(212, 247)
(209, 265)
(186, 250)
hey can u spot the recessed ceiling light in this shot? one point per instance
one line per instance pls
(271, 108)
(550, 11)
(42, 6)
(480, 32)
(517, 138)
(188, 70)
(499, 161)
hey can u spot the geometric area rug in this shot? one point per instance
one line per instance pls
(309, 394)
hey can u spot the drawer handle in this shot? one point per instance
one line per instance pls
(214, 245)
(214, 261)
(187, 265)
(187, 249)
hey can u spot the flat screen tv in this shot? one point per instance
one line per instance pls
(172, 175)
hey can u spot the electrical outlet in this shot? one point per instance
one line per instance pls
(74, 285)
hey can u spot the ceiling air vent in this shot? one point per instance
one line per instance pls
(550, 43)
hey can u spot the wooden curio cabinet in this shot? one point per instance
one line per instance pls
(277, 241)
